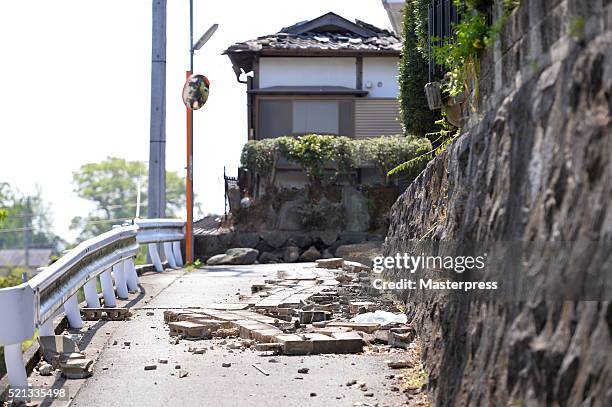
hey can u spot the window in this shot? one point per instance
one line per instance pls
(286, 117)
(315, 116)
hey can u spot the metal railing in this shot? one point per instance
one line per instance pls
(108, 257)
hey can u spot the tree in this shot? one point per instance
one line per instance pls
(112, 186)
(22, 215)
(416, 117)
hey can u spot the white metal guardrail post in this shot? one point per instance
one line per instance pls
(167, 231)
(17, 319)
(159, 267)
(176, 249)
(108, 290)
(169, 254)
(131, 275)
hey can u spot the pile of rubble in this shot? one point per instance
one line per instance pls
(330, 308)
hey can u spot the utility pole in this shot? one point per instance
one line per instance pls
(156, 207)
(26, 232)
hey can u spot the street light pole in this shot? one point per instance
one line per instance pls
(189, 249)
(189, 179)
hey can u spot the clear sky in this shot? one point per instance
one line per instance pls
(75, 87)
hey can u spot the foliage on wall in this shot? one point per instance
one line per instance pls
(460, 56)
(414, 71)
(314, 152)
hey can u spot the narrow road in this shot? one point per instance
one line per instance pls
(119, 377)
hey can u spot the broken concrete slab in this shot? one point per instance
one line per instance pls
(190, 329)
(53, 345)
(355, 267)
(334, 263)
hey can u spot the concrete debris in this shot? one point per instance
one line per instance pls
(73, 365)
(303, 311)
(303, 370)
(54, 345)
(226, 364)
(162, 361)
(351, 383)
(150, 366)
(111, 314)
(260, 369)
(183, 373)
(45, 369)
(400, 364)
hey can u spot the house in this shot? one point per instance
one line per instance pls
(325, 76)
(30, 259)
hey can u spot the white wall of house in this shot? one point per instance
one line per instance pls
(381, 73)
(307, 72)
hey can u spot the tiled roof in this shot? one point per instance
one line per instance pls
(319, 41)
(328, 32)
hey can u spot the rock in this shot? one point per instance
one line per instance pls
(328, 237)
(177, 367)
(291, 254)
(370, 394)
(246, 239)
(356, 211)
(327, 254)
(351, 382)
(303, 370)
(150, 366)
(275, 239)
(226, 364)
(269, 258)
(162, 361)
(312, 254)
(288, 215)
(235, 256)
(150, 313)
(183, 373)
(45, 369)
(273, 360)
(313, 394)
(127, 343)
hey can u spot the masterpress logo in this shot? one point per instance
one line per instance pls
(437, 272)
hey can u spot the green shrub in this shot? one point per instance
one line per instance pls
(12, 278)
(313, 151)
(258, 156)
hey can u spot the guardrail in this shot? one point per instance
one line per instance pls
(109, 257)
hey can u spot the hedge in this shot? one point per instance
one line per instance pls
(313, 151)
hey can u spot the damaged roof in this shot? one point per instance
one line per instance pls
(329, 34)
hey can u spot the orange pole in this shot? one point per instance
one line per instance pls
(189, 186)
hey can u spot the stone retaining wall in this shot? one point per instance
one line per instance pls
(534, 166)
